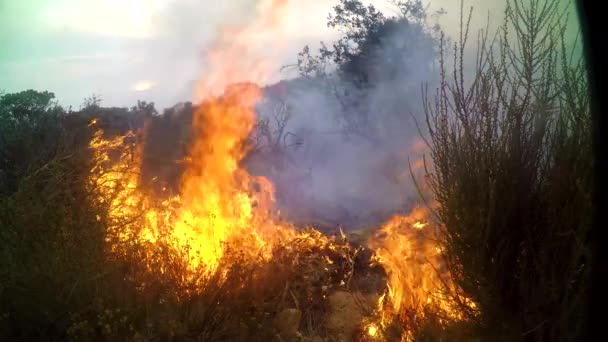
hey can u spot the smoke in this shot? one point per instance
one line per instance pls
(195, 41)
(347, 164)
(237, 54)
(337, 152)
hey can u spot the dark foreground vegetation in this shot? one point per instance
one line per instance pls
(510, 165)
(513, 174)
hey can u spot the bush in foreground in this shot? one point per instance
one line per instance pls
(512, 172)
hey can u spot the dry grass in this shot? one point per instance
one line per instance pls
(60, 281)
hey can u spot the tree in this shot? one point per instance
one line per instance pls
(366, 32)
(374, 50)
(145, 108)
(29, 129)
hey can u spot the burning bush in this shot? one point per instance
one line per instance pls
(93, 248)
(254, 257)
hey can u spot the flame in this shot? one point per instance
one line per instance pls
(372, 330)
(409, 250)
(221, 205)
(116, 182)
(219, 202)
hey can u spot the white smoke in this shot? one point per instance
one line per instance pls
(353, 179)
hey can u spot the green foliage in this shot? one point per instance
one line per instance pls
(54, 267)
(374, 53)
(369, 51)
(29, 127)
(50, 240)
(372, 46)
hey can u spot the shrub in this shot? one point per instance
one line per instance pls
(511, 153)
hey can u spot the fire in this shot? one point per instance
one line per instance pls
(372, 330)
(219, 202)
(409, 250)
(221, 205)
(242, 53)
(116, 182)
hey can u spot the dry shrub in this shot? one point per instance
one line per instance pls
(511, 153)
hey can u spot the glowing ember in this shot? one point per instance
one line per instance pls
(419, 225)
(372, 330)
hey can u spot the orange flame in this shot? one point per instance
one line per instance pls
(219, 200)
(218, 204)
(221, 204)
(409, 250)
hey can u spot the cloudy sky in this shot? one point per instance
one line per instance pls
(125, 50)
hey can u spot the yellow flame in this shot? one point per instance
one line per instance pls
(372, 330)
(412, 258)
(419, 225)
(220, 204)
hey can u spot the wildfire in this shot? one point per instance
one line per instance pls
(409, 250)
(220, 204)
(372, 330)
(116, 182)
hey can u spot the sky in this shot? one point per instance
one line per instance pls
(153, 50)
